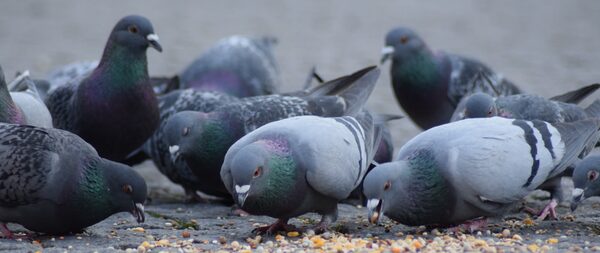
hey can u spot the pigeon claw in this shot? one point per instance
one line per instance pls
(548, 211)
(279, 225)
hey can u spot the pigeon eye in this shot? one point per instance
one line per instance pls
(132, 29)
(127, 189)
(403, 39)
(490, 112)
(592, 175)
(257, 172)
(387, 185)
(186, 131)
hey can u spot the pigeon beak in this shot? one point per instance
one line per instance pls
(174, 150)
(386, 53)
(242, 193)
(138, 212)
(153, 42)
(375, 206)
(577, 197)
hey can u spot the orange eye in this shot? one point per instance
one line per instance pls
(257, 172)
(132, 29)
(592, 175)
(387, 185)
(127, 188)
(403, 39)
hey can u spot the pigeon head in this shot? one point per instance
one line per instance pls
(263, 172)
(480, 105)
(380, 184)
(178, 129)
(585, 180)
(199, 138)
(400, 44)
(127, 188)
(136, 33)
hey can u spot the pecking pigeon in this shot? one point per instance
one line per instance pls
(52, 181)
(473, 168)
(298, 165)
(585, 180)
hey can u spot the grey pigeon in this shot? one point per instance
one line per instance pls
(52, 181)
(202, 139)
(24, 107)
(520, 106)
(237, 65)
(473, 168)
(114, 108)
(585, 180)
(157, 148)
(528, 107)
(429, 85)
(298, 165)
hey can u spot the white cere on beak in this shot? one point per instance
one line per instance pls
(152, 37)
(242, 189)
(387, 50)
(173, 149)
(578, 192)
(372, 203)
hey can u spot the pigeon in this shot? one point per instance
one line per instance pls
(528, 107)
(474, 168)
(202, 139)
(71, 73)
(52, 181)
(237, 65)
(157, 148)
(520, 106)
(429, 85)
(24, 107)
(298, 165)
(585, 180)
(114, 108)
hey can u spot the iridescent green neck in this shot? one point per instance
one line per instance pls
(419, 71)
(213, 142)
(122, 66)
(280, 181)
(92, 194)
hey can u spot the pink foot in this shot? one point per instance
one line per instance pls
(5, 231)
(549, 211)
(471, 225)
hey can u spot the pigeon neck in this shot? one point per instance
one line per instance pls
(427, 192)
(420, 71)
(124, 67)
(219, 132)
(279, 186)
(9, 112)
(92, 195)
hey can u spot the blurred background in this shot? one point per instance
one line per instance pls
(546, 47)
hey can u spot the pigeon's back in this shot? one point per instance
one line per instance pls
(468, 76)
(237, 66)
(492, 162)
(31, 158)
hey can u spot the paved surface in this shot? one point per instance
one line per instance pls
(546, 47)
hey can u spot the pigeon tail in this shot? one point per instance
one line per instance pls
(576, 96)
(579, 138)
(593, 110)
